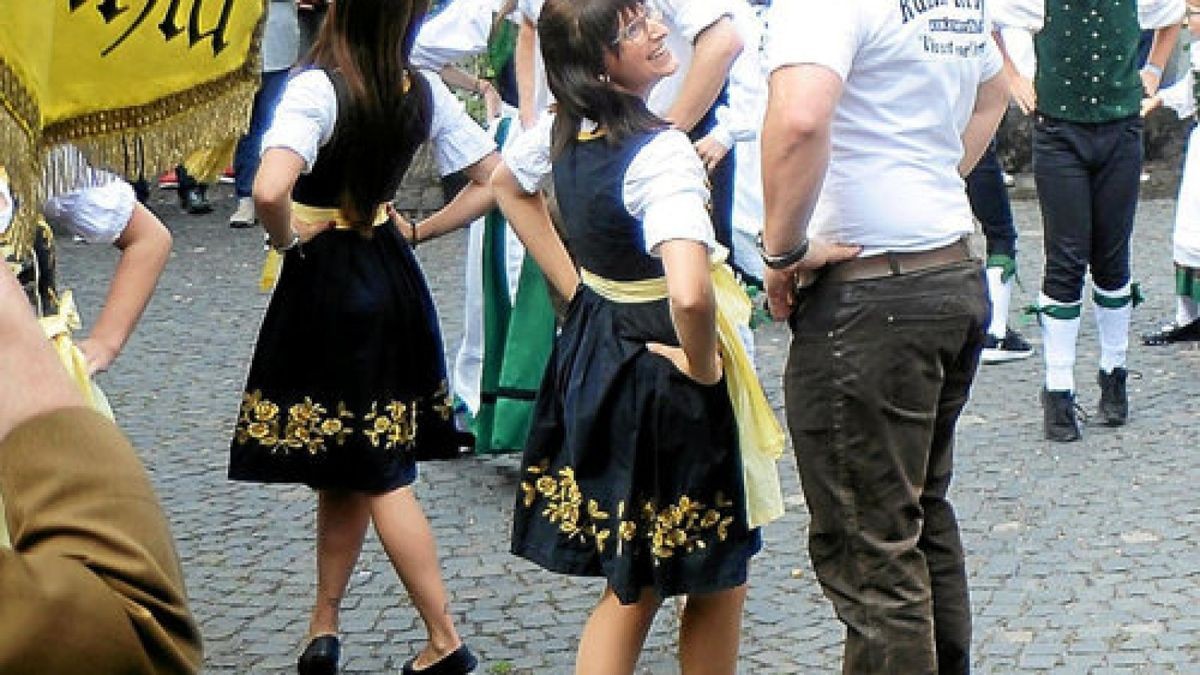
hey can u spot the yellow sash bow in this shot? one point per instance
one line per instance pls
(760, 438)
(58, 329)
(310, 214)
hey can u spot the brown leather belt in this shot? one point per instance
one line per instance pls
(891, 263)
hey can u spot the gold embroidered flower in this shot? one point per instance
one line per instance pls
(547, 486)
(331, 426)
(627, 530)
(258, 430)
(265, 410)
(530, 494)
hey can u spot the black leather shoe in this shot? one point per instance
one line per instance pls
(1172, 333)
(458, 662)
(1114, 399)
(320, 657)
(1058, 408)
(195, 202)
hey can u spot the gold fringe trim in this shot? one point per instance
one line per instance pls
(137, 141)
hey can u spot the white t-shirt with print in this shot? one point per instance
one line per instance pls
(910, 82)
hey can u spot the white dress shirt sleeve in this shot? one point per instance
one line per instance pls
(691, 17)
(1026, 15)
(458, 31)
(1155, 14)
(665, 187)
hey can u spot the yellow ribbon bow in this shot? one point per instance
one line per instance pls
(58, 329)
(760, 438)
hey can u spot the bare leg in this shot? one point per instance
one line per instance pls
(341, 526)
(614, 634)
(409, 543)
(710, 631)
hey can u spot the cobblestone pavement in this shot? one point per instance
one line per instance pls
(1083, 557)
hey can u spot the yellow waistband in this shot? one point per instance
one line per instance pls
(320, 214)
(760, 437)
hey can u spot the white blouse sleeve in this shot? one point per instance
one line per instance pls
(666, 188)
(528, 155)
(457, 141)
(97, 214)
(305, 117)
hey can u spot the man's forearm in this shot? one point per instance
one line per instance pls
(715, 49)
(1162, 46)
(795, 151)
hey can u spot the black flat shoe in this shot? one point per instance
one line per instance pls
(458, 662)
(320, 657)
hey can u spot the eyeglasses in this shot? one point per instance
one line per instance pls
(637, 29)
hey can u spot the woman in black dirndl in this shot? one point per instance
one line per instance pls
(347, 386)
(632, 469)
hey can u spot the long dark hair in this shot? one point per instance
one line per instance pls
(387, 117)
(574, 37)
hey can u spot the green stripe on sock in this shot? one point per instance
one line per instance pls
(1006, 263)
(1112, 302)
(1061, 312)
(1186, 283)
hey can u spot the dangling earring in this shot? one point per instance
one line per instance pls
(604, 78)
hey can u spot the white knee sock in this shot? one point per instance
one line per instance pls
(1000, 291)
(1060, 329)
(1186, 310)
(1113, 311)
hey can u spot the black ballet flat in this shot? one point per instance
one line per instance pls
(458, 662)
(320, 657)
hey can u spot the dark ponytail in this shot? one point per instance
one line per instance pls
(574, 38)
(367, 44)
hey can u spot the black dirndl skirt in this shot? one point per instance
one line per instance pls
(631, 471)
(347, 386)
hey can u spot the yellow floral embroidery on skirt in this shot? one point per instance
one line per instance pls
(312, 427)
(682, 527)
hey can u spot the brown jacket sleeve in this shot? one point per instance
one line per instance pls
(92, 583)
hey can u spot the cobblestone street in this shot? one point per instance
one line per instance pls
(1083, 557)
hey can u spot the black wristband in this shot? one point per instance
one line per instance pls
(783, 260)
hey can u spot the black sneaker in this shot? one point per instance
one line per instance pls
(1114, 401)
(1058, 408)
(1011, 347)
(195, 202)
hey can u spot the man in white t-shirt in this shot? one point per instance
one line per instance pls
(888, 104)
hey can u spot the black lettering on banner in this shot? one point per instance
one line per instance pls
(170, 26)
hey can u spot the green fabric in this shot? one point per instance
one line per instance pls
(502, 43)
(1187, 284)
(529, 342)
(1006, 263)
(1087, 61)
(518, 337)
(1061, 312)
(1117, 302)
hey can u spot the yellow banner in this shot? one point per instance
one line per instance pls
(135, 84)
